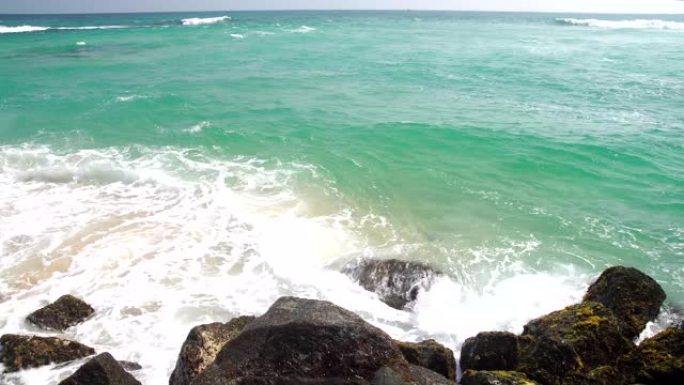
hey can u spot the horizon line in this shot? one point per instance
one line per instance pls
(338, 10)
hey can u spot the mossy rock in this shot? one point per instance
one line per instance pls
(67, 311)
(590, 329)
(431, 355)
(634, 297)
(23, 352)
(663, 357)
(490, 351)
(483, 377)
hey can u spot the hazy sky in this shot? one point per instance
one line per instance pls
(81, 6)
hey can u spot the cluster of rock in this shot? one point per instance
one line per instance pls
(305, 341)
(590, 343)
(18, 352)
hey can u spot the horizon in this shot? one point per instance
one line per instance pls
(617, 7)
(339, 10)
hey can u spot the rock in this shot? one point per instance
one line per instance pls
(547, 360)
(589, 328)
(202, 345)
(663, 357)
(423, 376)
(396, 282)
(482, 377)
(490, 351)
(416, 375)
(308, 339)
(23, 352)
(67, 311)
(102, 369)
(634, 297)
(130, 366)
(431, 355)
(288, 381)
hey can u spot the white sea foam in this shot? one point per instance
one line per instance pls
(31, 28)
(303, 29)
(624, 24)
(22, 28)
(81, 43)
(197, 128)
(129, 98)
(161, 239)
(237, 36)
(205, 20)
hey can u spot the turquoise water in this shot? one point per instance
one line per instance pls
(489, 145)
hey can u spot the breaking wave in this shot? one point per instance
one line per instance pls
(623, 24)
(204, 20)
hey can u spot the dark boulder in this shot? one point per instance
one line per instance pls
(473, 377)
(431, 355)
(634, 297)
(547, 360)
(202, 345)
(490, 351)
(396, 282)
(284, 381)
(102, 369)
(663, 357)
(589, 328)
(130, 366)
(65, 312)
(415, 375)
(23, 352)
(305, 338)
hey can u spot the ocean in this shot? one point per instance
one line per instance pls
(179, 169)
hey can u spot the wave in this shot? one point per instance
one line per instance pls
(32, 28)
(303, 29)
(624, 24)
(238, 36)
(205, 20)
(22, 28)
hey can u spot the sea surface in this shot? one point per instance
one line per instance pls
(179, 169)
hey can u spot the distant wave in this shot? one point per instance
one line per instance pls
(32, 28)
(206, 20)
(303, 29)
(623, 24)
(22, 28)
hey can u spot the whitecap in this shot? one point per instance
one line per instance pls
(205, 20)
(197, 128)
(303, 29)
(129, 98)
(237, 36)
(81, 43)
(22, 28)
(624, 24)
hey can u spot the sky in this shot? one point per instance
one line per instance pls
(97, 6)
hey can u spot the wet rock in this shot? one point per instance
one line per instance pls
(396, 282)
(663, 357)
(202, 345)
(130, 366)
(67, 311)
(308, 339)
(23, 352)
(431, 355)
(589, 328)
(472, 377)
(387, 376)
(287, 381)
(490, 351)
(547, 360)
(102, 369)
(420, 375)
(634, 297)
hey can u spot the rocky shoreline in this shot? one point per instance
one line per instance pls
(306, 341)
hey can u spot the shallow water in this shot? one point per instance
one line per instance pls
(176, 169)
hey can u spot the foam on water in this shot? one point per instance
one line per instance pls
(237, 36)
(303, 29)
(624, 24)
(204, 20)
(22, 28)
(161, 239)
(31, 28)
